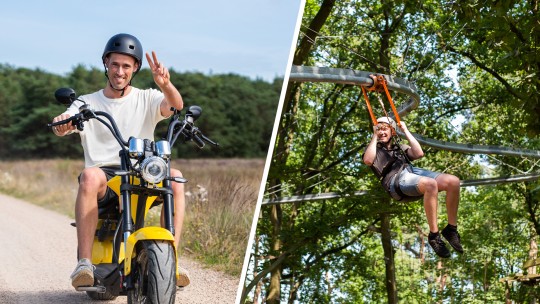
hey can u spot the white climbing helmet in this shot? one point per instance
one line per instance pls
(387, 120)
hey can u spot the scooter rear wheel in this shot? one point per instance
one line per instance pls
(154, 274)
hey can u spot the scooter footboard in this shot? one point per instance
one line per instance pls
(146, 233)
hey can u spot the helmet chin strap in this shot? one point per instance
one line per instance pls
(123, 89)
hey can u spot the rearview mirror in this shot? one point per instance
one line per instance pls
(65, 96)
(194, 111)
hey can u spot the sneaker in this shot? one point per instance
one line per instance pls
(83, 275)
(452, 236)
(182, 278)
(438, 245)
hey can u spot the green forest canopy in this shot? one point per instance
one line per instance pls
(238, 112)
(476, 66)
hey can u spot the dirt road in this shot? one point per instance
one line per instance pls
(38, 254)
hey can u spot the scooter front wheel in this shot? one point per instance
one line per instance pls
(154, 274)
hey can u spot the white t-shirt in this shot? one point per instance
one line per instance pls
(135, 114)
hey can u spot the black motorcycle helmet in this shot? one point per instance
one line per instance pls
(123, 44)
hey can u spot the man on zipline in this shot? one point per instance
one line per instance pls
(391, 164)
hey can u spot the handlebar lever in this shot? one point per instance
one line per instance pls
(201, 138)
(208, 140)
(198, 141)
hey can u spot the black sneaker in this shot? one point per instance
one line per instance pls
(438, 245)
(452, 236)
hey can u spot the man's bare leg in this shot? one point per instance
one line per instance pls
(451, 185)
(92, 185)
(428, 187)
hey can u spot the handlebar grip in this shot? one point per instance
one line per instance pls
(61, 122)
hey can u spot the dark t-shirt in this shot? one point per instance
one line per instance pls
(388, 162)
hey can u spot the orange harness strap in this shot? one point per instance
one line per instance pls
(396, 114)
(373, 119)
(379, 85)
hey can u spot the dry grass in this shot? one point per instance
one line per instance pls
(220, 195)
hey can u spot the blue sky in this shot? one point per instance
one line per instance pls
(252, 38)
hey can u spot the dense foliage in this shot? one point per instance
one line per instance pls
(238, 112)
(476, 67)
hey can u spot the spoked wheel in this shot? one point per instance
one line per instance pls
(154, 274)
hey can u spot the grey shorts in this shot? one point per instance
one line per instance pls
(409, 179)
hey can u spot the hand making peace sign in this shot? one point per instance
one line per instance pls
(159, 72)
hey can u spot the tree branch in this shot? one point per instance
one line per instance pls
(487, 69)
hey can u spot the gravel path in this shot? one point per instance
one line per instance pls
(38, 254)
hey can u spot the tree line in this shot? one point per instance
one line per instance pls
(238, 112)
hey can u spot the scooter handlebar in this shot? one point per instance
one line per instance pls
(62, 122)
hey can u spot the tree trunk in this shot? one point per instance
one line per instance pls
(441, 279)
(305, 46)
(329, 286)
(533, 252)
(255, 267)
(291, 99)
(391, 287)
(422, 237)
(507, 293)
(274, 289)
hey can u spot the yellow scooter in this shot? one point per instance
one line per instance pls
(130, 257)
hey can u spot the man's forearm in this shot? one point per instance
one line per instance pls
(371, 152)
(172, 96)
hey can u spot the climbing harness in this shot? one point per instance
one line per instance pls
(380, 85)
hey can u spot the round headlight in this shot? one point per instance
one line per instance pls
(154, 169)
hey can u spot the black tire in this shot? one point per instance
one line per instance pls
(154, 274)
